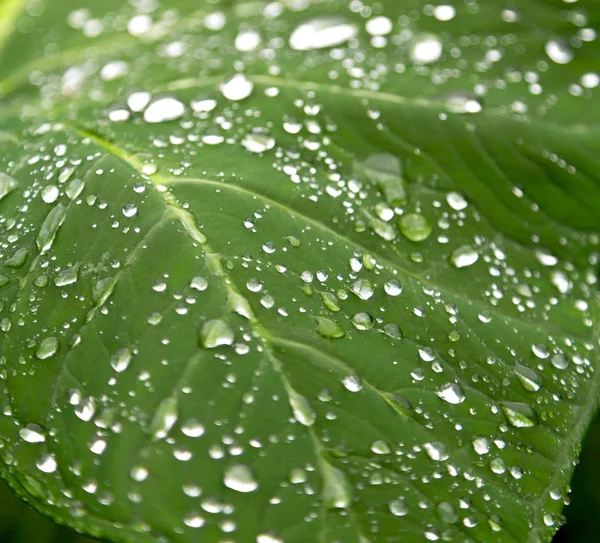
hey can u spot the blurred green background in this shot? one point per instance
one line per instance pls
(21, 524)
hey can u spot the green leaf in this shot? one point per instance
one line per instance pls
(298, 271)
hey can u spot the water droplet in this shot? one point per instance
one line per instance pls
(322, 32)
(50, 227)
(559, 51)
(32, 433)
(47, 463)
(303, 411)
(464, 256)
(47, 348)
(328, 328)
(363, 288)
(456, 201)
(215, 333)
(352, 383)
(427, 48)
(163, 110)
(139, 473)
(530, 380)
(380, 447)
(50, 194)
(237, 87)
(398, 508)
(520, 415)
(415, 227)
(17, 259)
(7, 185)
(192, 428)
(199, 283)
(393, 288)
(436, 451)
(68, 276)
(362, 321)
(138, 101)
(121, 359)
(330, 301)
(258, 141)
(481, 445)
(240, 478)
(451, 393)
(337, 490)
(545, 257)
(447, 513)
(164, 418)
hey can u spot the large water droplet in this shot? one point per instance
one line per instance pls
(363, 288)
(215, 333)
(451, 393)
(464, 256)
(328, 328)
(163, 110)
(7, 185)
(32, 433)
(50, 227)
(520, 415)
(121, 359)
(398, 507)
(47, 348)
(303, 411)
(427, 48)
(164, 418)
(237, 87)
(240, 478)
(559, 51)
(530, 380)
(415, 227)
(322, 32)
(258, 141)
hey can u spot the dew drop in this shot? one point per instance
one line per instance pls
(451, 393)
(32, 433)
(237, 87)
(322, 32)
(50, 227)
(398, 508)
(559, 51)
(240, 478)
(303, 411)
(520, 415)
(328, 328)
(215, 333)
(47, 463)
(121, 359)
(530, 380)
(426, 49)
(7, 185)
(164, 418)
(415, 227)
(258, 141)
(163, 110)
(352, 383)
(363, 288)
(464, 256)
(47, 348)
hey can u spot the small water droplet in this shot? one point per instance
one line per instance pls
(303, 411)
(398, 508)
(352, 383)
(363, 288)
(530, 380)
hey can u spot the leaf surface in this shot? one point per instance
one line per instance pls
(299, 271)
